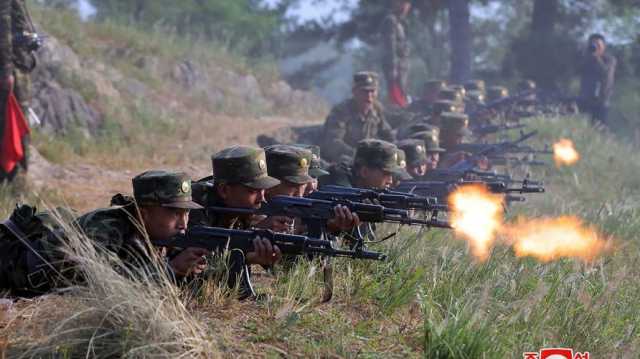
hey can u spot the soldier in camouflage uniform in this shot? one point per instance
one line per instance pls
(402, 174)
(373, 166)
(316, 167)
(432, 148)
(416, 156)
(158, 211)
(16, 62)
(356, 119)
(396, 47)
(240, 179)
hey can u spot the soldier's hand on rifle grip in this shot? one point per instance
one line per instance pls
(264, 253)
(189, 261)
(344, 220)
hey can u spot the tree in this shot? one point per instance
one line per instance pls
(460, 40)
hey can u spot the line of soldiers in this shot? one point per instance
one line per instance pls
(358, 153)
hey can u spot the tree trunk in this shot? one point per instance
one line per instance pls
(460, 39)
(542, 40)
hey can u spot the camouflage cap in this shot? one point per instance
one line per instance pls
(451, 95)
(497, 92)
(316, 168)
(378, 154)
(460, 89)
(165, 189)
(475, 97)
(242, 165)
(455, 122)
(431, 141)
(415, 150)
(420, 127)
(475, 85)
(289, 163)
(441, 106)
(402, 174)
(526, 85)
(365, 80)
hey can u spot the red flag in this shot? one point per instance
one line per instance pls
(15, 127)
(396, 95)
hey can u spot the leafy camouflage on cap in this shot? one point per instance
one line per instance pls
(431, 141)
(242, 165)
(416, 151)
(162, 188)
(316, 169)
(377, 154)
(497, 92)
(451, 95)
(402, 173)
(365, 80)
(475, 85)
(455, 122)
(289, 163)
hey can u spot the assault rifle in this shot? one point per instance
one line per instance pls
(501, 104)
(484, 130)
(218, 239)
(315, 212)
(386, 198)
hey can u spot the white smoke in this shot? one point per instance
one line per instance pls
(85, 9)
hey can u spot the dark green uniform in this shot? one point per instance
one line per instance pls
(235, 165)
(117, 229)
(346, 125)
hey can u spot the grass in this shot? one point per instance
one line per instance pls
(431, 299)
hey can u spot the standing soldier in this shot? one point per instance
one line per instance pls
(597, 79)
(396, 52)
(358, 118)
(18, 41)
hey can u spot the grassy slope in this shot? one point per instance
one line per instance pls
(433, 299)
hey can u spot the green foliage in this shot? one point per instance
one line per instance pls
(241, 24)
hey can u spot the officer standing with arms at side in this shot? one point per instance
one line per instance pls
(597, 79)
(396, 52)
(358, 118)
(18, 42)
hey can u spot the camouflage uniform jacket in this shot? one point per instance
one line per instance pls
(396, 48)
(14, 20)
(115, 229)
(205, 195)
(345, 127)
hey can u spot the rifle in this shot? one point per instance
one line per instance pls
(484, 130)
(490, 149)
(501, 103)
(218, 239)
(315, 212)
(442, 189)
(385, 197)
